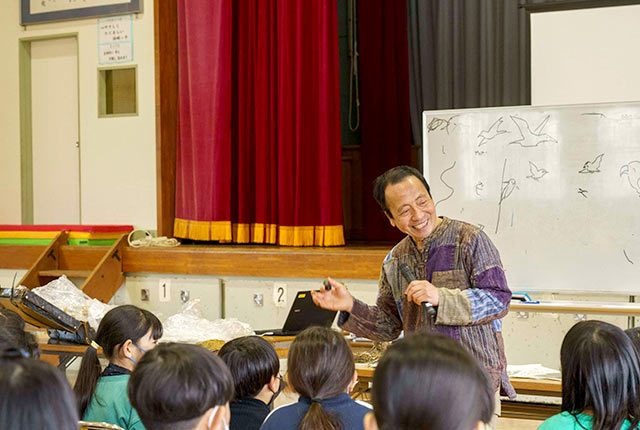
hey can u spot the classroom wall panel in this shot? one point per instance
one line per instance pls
(165, 303)
(117, 154)
(6, 276)
(585, 55)
(239, 294)
(537, 337)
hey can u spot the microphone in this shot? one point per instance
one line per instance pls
(409, 276)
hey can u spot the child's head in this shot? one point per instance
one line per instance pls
(634, 335)
(35, 395)
(125, 334)
(320, 366)
(12, 335)
(428, 381)
(11, 318)
(254, 365)
(600, 374)
(181, 387)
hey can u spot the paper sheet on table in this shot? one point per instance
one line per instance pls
(534, 371)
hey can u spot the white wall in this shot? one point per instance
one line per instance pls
(585, 56)
(118, 174)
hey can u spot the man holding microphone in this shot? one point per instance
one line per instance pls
(459, 290)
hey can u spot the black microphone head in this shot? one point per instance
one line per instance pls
(407, 273)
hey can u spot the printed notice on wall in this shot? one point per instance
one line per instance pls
(115, 39)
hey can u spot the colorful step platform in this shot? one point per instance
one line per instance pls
(88, 235)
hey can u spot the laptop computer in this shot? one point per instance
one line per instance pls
(303, 314)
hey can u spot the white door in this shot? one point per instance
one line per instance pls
(54, 115)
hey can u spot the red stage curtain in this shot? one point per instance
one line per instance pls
(259, 144)
(384, 110)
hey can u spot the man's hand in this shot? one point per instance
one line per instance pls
(338, 298)
(422, 291)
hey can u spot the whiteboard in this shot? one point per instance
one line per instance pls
(556, 188)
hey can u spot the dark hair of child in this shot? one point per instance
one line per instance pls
(252, 361)
(35, 395)
(117, 326)
(600, 375)
(320, 366)
(634, 335)
(429, 381)
(175, 384)
(13, 335)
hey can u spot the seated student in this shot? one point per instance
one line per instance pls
(125, 334)
(634, 335)
(34, 394)
(429, 382)
(600, 379)
(181, 387)
(12, 333)
(322, 371)
(254, 365)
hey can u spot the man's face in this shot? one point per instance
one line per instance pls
(412, 209)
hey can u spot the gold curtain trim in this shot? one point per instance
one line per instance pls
(225, 231)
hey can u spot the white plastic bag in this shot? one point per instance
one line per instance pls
(188, 326)
(63, 294)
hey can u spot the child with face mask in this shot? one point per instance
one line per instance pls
(255, 368)
(125, 334)
(181, 387)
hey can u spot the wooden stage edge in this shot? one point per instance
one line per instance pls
(348, 262)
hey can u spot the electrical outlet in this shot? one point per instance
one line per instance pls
(258, 300)
(184, 296)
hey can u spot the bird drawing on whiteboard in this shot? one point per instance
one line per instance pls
(536, 173)
(491, 133)
(529, 138)
(507, 189)
(632, 170)
(592, 166)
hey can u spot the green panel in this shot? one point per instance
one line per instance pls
(39, 241)
(24, 241)
(92, 242)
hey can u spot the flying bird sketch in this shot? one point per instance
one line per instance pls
(583, 192)
(625, 117)
(529, 138)
(491, 133)
(632, 170)
(507, 188)
(536, 173)
(447, 125)
(480, 152)
(592, 166)
(597, 114)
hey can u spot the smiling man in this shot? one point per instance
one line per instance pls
(458, 270)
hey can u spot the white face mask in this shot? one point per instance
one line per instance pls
(213, 414)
